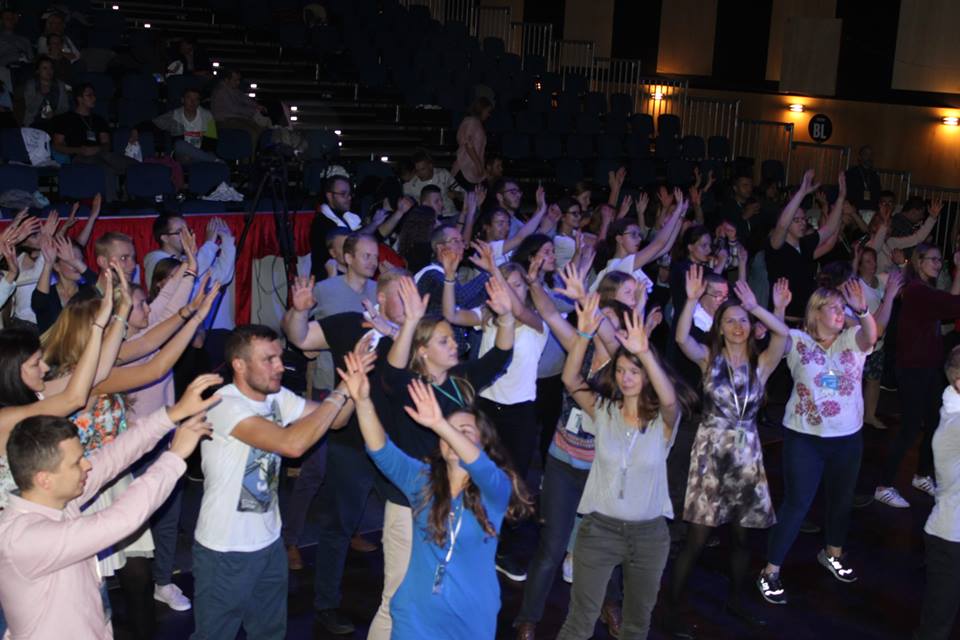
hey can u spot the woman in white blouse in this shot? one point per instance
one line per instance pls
(822, 435)
(632, 412)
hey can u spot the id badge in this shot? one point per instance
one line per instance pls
(831, 381)
(866, 194)
(574, 421)
(91, 136)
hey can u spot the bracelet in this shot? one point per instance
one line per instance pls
(181, 316)
(333, 400)
(337, 392)
(99, 326)
(864, 313)
(124, 322)
(451, 281)
(190, 273)
(505, 320)
(588, 336)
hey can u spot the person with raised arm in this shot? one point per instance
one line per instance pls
(48, 548)
(632, 411)
(822, 429)
(462, 491)
(727, 483)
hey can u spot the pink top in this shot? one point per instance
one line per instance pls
(49, 582)
(172, 297)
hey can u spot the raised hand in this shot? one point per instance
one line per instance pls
(9, 253)
(678, 198)
(853, 294)
(449, 260)
(377, 320)
(189, 242)
(894, 284)
(49, 227)
(301, 293)
(194, 305)
(541, 198)
(625, 205)
(484, 258)
(122, 285)
(191, 402)
(747, 300)
(48, 249)
(573, 287)
(354, 375)
(207, 304)
(498, 298)
(588, 315)
(481, 192)
(935, 207)
(71, 220)
(782, 294)
(694, 282)
(615, 178)
(633, 336)
(643, 201)
(212, 229)
(554, 214)
(653, 320)
(414, 307)
(189, 434)
(666, 199)
(105, 308)
(426, 409)
(807, 185)
(533, 271)
(842, 185)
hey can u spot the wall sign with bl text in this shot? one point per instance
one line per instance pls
(820, 128)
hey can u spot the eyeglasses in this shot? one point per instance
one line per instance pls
(933, 259)
(514, 190)
(632, 234)
(342, 194)
(718, 296)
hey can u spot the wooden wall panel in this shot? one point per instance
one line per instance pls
(590, 20)
(811, 50)
(687, 31)
(781, 12)
(928, 47)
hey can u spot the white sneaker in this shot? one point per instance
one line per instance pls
(568, 568)
(170, 595)
(925, 484)
(890, 497)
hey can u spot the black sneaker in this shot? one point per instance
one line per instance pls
(511, 568)
(334, 622)
(836, 566)
(771, 588)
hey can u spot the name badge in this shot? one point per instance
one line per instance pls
(574, 421)
(831, 381)
(91, 136)
(866, 194)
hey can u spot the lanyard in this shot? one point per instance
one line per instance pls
(741, 410)
(458, 400)
(453, 531)
(625, 461)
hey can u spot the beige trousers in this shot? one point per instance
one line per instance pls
(397, 541)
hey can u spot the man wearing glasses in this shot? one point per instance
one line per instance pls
(509, 195)
(334, 212)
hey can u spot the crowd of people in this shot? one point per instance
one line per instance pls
(602, 364)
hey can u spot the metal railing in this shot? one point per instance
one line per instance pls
(896, 181)
(764, 140)
(826, 160)
(464, 11)
(493, 22)
(707, 117)
(573, 56)
(945, 232)
(616, 75)
(658, 96)
(531, 39)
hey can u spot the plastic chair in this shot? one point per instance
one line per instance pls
(149, 181)
(693, 148)
(322, 144)
(666, 147)
(615, 123)
(595, 103)
(642, 124)
(139, 86)
(12, 148)
(588, 123)
(373, 169)
(638, 145)
(643, 172)
(13, 176)
(204, 177)
(621, 103)
(610, 145)
(234, 145)
(668, 124)
(80, 181)
(133, 111)
(718, 147)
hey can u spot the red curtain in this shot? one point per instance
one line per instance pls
(261, 242)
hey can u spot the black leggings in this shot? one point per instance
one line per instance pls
(697, 535)
(136, 582)
(921, 393)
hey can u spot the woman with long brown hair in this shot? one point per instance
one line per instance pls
(460, 496)
(920, 358)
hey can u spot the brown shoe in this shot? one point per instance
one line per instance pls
(526, 631)
(359, 543)
(294, 561)
(612, 616)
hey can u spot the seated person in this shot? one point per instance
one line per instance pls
(234, 109)
(14, 47)
(42, 97)
(187, 59)
(424, 174)
(193, 128)
(55, 25)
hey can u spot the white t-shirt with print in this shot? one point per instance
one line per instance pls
(826, 400)
(239, 510)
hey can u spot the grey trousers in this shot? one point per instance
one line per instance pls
(641, 548)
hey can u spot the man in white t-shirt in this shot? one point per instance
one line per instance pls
(194, 127)
(239, 562)
(424, 173)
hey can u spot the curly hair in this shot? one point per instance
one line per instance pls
(436, 494)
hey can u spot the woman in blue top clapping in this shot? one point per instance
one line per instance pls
(460, 496)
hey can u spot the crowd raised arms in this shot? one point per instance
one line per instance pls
(611, 357)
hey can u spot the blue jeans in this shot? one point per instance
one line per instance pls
(806, 460)
(165, 521)
(234, 588)
(305, 488)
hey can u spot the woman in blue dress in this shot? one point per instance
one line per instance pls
(460, 497)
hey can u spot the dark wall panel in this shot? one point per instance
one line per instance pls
(868, 42)
(740, 46)
(636, 31)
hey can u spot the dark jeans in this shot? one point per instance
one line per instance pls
(516, 426)
(942, 597)
(165, 521)
(305, 488)
(549, 406)
(641, 548)
(240, 588)
(349, 480)
(807, 459)
(562, 488)
(921, 392)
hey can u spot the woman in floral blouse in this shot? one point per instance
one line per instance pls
(823, 419)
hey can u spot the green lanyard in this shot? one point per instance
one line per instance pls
(458, 400)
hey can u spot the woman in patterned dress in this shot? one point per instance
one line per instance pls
(727, 483)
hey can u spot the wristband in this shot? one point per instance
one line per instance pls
(588, 336)
(188, 272)
(451, 281)
(123, 321)
(99, 326)
(864, 313)
(181, 316)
